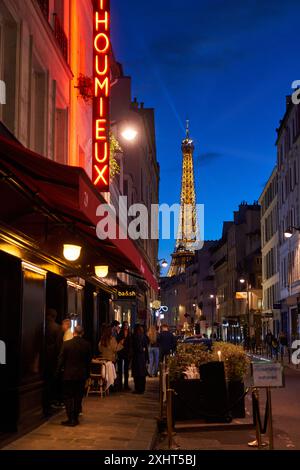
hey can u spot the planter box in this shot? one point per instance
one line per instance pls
(189, 400)
(235, 402)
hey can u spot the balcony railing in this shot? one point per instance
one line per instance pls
(60, 36)
(44, 6)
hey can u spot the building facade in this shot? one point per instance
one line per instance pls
(237, 265)
(200, 287)
(270, 256)
(288, 158)
(174, 296)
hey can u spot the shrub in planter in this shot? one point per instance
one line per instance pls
(186, 355)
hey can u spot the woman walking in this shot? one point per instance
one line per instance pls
(124, 356)
(153, 351)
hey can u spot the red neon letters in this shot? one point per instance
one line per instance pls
(101, 46)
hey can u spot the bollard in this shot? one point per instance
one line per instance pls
(258, 434)
(161, 391)
(170, 417)
(271, 437)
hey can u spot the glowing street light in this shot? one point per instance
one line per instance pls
(129, 134)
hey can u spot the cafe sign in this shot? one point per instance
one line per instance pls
(126, 293)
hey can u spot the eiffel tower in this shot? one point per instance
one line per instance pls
(187, 229)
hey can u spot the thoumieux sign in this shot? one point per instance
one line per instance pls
(101, 48)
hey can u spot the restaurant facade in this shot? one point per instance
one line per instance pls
(49, 199)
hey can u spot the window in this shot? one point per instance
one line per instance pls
(61, 136)
(8, 64)
(38, 108)
(81, 157)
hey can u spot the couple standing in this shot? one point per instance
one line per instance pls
(161, 345)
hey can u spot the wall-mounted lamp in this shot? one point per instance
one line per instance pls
(129, 134)
(101, 271)
(72, 252)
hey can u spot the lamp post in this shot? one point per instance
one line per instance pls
(243, 281)
(212, 297)
(163, 262)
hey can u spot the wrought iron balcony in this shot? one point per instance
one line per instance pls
(44, 6)
(60, 36)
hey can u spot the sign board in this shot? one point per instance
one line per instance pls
(126, 293)
(267, 374)
(101, 93)
(241, 295)
(156, 304)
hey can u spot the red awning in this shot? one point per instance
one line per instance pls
(67, 191)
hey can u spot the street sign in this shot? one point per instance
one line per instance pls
(241, 295)
(267, 374)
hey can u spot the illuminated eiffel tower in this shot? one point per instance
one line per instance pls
(187, 229)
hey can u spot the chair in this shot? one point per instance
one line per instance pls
(96, 381)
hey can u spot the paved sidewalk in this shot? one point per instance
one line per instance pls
(121, 421)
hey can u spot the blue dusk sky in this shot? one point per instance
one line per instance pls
(226, 65)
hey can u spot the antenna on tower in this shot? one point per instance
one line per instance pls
(187, 128)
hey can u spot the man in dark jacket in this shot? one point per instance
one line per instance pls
(166, 342)
(75, 359)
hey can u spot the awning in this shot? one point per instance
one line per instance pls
(66, 191)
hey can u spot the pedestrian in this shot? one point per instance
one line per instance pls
(166, 342)
(66, 327)
(109, 346)
(54, 341)
(153, 351)
(75, 359)
(115, 325)
(283, 342)
(253, 344)
(139, 369)
(268, 343)
(124, 356)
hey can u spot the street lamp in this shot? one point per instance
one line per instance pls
(212, 313)
(129, 134)
(290, 231)
(243, 281)
(164, 263)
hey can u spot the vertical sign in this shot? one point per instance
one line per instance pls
(102, 48)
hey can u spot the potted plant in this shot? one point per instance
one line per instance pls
(189, 397)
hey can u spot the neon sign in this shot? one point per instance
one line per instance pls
(101, 58)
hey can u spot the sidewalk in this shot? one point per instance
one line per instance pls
(121, 421)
